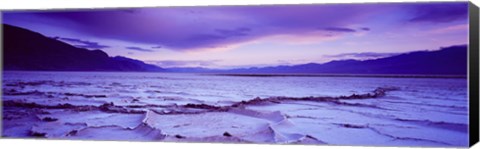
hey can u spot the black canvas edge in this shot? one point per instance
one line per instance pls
(1, 74)
(473, 70)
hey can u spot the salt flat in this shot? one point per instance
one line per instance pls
(240, 109)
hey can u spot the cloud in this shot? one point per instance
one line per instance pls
(339, 29)
(361, 56)
(450, 29)
(365, 29)
(177, 28)
(82, 43)
(186, 63)
(139, 49)
(241, 31)
(440, 12)
(202, 27)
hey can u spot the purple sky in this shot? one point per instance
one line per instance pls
(239, 36)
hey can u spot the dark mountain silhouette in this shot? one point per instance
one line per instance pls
(446, 61)
(27, 50)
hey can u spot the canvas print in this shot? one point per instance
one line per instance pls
(371, 74)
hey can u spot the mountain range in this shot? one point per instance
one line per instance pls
(446, 61)
(27, 50)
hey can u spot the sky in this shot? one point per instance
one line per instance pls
(255, 35)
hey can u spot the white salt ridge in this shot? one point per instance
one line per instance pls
(139, 133)
(96, 118)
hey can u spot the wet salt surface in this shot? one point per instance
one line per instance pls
(208, 108)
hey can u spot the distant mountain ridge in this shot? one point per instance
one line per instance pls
(27, 50)
(446, 61)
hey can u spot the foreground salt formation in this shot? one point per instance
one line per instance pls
(73, 109)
